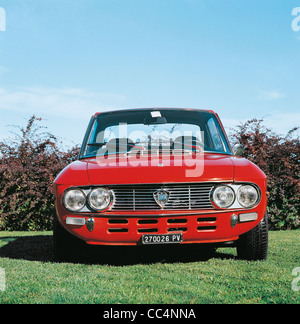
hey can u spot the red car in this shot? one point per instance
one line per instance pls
(160, 176)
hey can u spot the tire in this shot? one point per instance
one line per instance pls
(66, 247)
(253, 245)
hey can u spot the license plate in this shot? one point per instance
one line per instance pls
(162, 239)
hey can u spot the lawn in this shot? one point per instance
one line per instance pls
(136, 276)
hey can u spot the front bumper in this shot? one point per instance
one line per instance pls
(210, 227)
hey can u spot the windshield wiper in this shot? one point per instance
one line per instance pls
(96, 144)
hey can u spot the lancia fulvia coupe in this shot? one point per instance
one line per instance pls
(160, 176)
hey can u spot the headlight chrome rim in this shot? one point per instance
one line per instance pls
(108, 203)
(253, 203)
(67, 204)
(214, 193)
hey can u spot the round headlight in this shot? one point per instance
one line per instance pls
(223, 196)
(99, 199)
(74, 200)
(247, 196)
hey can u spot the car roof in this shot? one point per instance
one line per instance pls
(153, 109)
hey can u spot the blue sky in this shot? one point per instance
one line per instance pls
(65, 60)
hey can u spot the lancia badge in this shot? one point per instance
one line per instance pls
(161, 197)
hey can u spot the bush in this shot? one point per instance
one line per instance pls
(29, 164)
(279, 158)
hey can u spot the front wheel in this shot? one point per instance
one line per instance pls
(253, 245)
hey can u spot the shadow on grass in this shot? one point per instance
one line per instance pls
(39, 248)
(31, 248)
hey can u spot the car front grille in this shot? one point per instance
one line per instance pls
(181, 197)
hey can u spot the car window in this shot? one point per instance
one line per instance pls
(120, 132)
(216, 138)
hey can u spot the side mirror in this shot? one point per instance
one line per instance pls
(155, 121)
(238, 149)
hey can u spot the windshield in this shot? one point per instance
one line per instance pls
(154, 130)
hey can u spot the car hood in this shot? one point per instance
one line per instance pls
(163, 169)
(212, 168)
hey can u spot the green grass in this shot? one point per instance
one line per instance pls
(171, 276)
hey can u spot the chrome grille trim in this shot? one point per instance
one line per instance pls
(182, 197)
